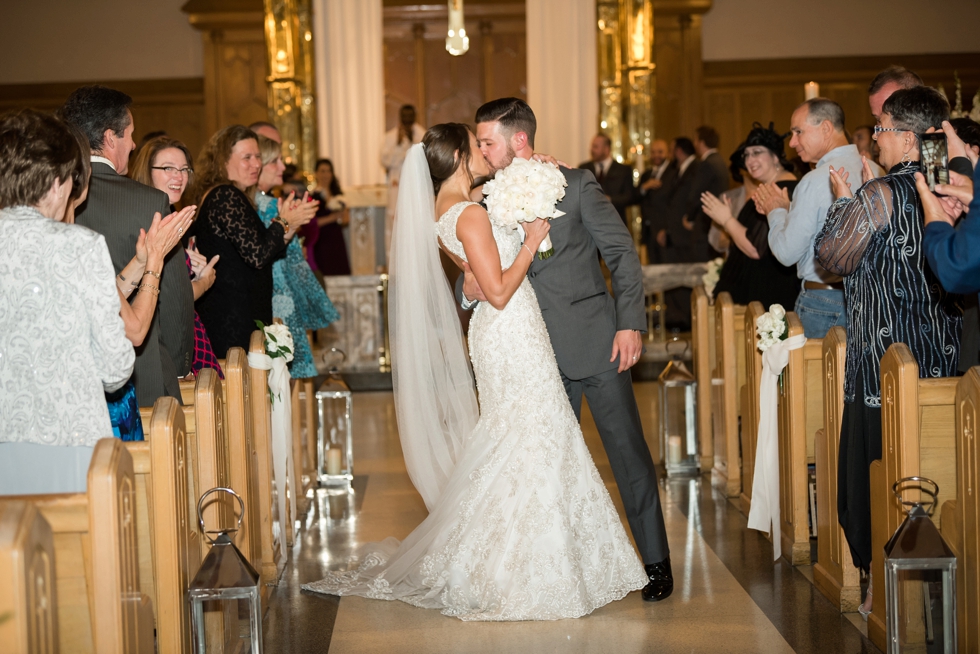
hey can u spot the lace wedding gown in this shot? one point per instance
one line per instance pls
(525, 529)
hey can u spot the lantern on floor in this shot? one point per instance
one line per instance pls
(228, 580)
(920, 578)
(677, 394)
(335, 451)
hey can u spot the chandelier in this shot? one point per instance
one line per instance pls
(457, 42)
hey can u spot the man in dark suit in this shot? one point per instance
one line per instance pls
(675, 239)
(712, 177)
(118, 207)
(615, 179)
(587, 324)
(653, 196)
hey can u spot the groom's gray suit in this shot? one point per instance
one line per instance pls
(582, 320)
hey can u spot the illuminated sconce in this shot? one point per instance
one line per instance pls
(457, 42)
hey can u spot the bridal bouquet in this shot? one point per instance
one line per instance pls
(523, 192)
(771, 327)
(712, 275)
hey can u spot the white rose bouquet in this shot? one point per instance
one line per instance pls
(711, 275)
(523, 192)
(278, 344)
(771, 327)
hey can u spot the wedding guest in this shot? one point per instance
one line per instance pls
(297, 296)
(653, 194)
(118, 208)
(229, 226)
(266, 129)
(863, 141)
(711, 177)
(396, 144)
(817, 126)
(326, 247)
(887, 82)
(166, 165)
(751, 272)
(62, 340)
(616, 179)
(674, 239)
(718, 237)
(874, 240)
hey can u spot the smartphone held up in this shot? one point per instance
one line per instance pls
(934, 159)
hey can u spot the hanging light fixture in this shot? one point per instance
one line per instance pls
(457, 43)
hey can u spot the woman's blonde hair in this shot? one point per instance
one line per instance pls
(269, 149)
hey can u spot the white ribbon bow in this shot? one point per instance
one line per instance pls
(764, 509)
(282, 422)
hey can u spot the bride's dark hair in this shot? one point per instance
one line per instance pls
(442, 142)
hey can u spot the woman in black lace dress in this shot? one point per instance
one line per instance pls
(228, 225)
(873, 239)
(751, 271)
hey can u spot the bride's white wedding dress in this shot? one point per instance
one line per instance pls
(524, 528)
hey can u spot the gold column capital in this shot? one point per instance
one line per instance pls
(223, 14)
(681, 7)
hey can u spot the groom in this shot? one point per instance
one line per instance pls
(596, 337)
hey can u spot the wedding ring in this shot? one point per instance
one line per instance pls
(180, 230)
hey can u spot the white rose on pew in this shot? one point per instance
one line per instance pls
(777, 311)
(278, 340)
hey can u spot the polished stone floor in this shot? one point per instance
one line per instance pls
(729, 596)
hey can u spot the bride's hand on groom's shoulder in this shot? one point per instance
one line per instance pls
(547, 158)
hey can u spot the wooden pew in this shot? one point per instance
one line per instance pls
(749, 433)
(960, 518)
(270, 530)
(28, 593)
(917, 439)
(99, 604)
(800, 416)
(727, 379)
(834, 573)
(703, 353)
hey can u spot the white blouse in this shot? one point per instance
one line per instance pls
(62, 341)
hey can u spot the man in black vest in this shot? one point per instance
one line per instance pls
(118, 207)
(615, 179)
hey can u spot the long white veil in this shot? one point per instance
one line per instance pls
(435, 400)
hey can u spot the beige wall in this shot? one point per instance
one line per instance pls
(772, 29)
(89, 40)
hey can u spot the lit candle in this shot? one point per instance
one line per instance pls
(333, 461)
(811, 90)
(674, 445)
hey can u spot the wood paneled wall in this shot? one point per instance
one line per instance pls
(737, 93)
(444, 88)
(175, 106)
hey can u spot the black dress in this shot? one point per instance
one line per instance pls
(229, 225)
(763, 279)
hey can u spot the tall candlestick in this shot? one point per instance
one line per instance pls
(811, 90)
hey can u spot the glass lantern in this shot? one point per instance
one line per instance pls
(335, 451)
(228, 580)
(920, 579)
(677, 394)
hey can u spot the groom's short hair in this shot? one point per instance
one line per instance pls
(512, 113)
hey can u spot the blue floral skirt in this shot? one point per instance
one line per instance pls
(124, 413)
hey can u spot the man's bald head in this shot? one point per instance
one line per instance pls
(658, 152)
(266, 129)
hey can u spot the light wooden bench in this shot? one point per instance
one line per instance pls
(917, 439)
(834, 573)
(99, 604)
(749, 432)
(704, 364)
(800, 416)
(727, 379)
(28, 592)
(960, 518)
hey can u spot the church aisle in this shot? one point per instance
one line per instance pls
(726, 597)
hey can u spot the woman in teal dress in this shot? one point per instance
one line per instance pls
(297, 296)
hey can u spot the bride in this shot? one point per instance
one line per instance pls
(520, 525)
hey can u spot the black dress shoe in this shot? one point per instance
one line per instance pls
(661, 581)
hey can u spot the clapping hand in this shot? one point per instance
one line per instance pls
(719, 211)
(769, 197)
(866, 173)
(295, 212)
(163, 235)
(841, 187)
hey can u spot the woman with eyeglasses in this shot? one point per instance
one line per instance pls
(751, 271)
(873, 239)
(165, 164)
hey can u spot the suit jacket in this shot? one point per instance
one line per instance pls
(679, 239)
(617, 184)
(655, 202)
(712, 177)
(581, 316)
(117, 207)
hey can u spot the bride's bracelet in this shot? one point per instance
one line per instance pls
(524, 245)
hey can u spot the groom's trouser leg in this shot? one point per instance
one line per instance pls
(613, 406)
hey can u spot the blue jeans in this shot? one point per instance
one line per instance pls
(820, 310)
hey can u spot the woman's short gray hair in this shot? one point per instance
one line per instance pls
(917, 109)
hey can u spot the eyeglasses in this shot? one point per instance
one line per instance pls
(879, 129)
(755, 152)
(170, 170)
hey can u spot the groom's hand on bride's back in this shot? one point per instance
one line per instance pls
(471, 288)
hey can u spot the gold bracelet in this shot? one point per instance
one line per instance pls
(150, 272)
(524, 245)
(148, 287)
(281, 221)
